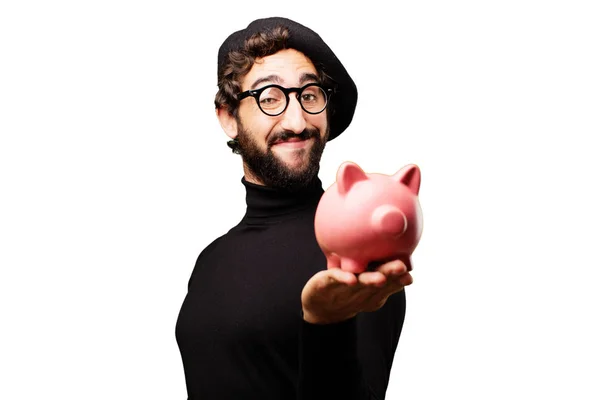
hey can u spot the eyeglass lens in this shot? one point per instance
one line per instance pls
(313, 99)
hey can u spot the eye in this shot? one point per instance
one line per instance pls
(271, 96)
(267, 100)
(312, 95)
(272, 99)
(308, 97)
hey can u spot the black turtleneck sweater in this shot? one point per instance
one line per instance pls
(240, 330)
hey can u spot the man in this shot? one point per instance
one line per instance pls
(264, 318)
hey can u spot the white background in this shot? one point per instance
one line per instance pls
(111, 155)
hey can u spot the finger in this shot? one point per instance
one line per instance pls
(337, 276)
(405, 279)
(397, 283)
(393, 285)
(372, 279)
(393, 268)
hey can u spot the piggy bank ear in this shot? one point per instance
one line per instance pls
(348, 174)
(410, 176)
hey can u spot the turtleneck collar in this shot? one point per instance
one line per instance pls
(266, 204)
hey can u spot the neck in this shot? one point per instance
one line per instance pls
(267, 204)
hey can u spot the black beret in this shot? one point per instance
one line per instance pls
(305, 40)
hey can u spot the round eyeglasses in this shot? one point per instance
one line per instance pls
(274, 99)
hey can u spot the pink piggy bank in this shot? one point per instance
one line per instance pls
(366, 217)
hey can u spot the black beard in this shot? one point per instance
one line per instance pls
(271, 170)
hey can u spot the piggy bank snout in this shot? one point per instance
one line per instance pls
(389, 219)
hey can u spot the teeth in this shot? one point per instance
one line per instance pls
(289, 140)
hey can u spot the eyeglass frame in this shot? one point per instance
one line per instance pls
(286, 91)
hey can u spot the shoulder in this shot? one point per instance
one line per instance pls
(217, 243)
(211, 247)
(204, 255)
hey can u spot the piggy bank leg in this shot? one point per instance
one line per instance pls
(353, 266)
(333, 261)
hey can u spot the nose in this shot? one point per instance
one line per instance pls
(293, 118)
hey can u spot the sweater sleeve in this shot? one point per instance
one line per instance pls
(352, 359)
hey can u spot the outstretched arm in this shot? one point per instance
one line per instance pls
(350, 331)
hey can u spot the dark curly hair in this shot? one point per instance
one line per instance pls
(240, 62)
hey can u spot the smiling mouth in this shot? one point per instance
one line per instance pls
(293, 142)
(289, 140)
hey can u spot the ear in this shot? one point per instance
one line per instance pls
(227, 121)
(410, 176)
(348, 174)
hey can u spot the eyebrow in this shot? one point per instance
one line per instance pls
(270, 78)
(306, 77)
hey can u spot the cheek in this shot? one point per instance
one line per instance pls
(320, 122)
(257, 124)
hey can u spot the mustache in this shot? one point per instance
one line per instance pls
(285, 135)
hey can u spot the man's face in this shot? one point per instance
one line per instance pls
(285, 150)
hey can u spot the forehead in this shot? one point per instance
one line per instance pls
(286, 67)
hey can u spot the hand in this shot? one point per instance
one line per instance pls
(334, 295)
